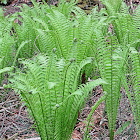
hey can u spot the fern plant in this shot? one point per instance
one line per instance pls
(115, 58)
(50, 85)
(6, 42)
(125, 26)
(9, 52)
(49, 88)
(47, 27)
(131, 84)
(109, 65)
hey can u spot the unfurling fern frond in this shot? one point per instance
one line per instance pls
(49, 88)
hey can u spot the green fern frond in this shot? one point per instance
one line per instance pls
(68, 110)
(26, 32)
(110, 64)
(131, 85)
(136, 26)
(62, 31)
(66, 7)
(6, 42)
(113, 6)
(92, 111)
(126, 26)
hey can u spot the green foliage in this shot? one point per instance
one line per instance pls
(6, 69)
(50, 84)
(47, 27)
(4, 1)
(110, 65)
(49, 88)
(135, 85)
(131, 84)
(116, 56)
(6, 42)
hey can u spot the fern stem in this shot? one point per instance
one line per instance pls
(65, 80)
(42, 108)
(111, 129)
(19, 48)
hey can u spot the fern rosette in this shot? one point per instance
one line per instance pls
(49, 88)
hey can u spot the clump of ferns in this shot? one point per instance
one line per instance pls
(50, 89)
(55, 29)
(73, 43)
(115, 58)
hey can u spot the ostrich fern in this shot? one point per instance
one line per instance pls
(49, 87)
(48, 27)
(6, 42)
(116, 55)
(132, 83)
(135, 92)
(109, 65)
